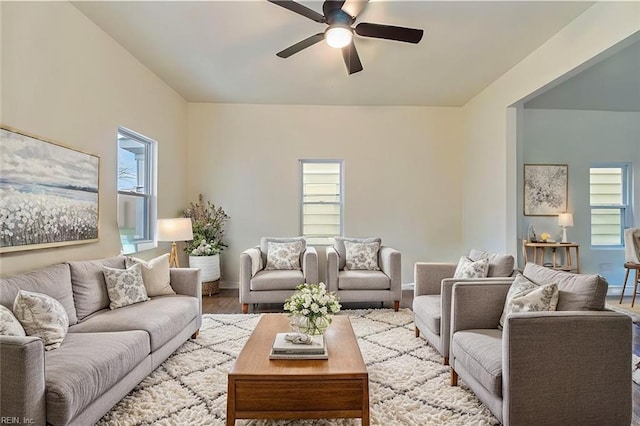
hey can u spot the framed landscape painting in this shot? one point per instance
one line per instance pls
(545, 189)
(48, 193)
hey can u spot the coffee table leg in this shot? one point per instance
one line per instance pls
(231, 402)
(365, 403)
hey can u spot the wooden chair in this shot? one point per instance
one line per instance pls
(632, 260)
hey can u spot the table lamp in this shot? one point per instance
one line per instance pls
(177, 229)
(565, 220)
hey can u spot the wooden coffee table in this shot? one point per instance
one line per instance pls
(260, 388)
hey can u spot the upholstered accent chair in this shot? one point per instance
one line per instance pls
(270, 272)
(432, 294)
(568, 366)
(363, 270)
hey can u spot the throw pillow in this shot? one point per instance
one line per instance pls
(526, 296)
(500, 265)
(284, 255)
(361, 256)
(42, 316)
(9, 324)
(467, 268)
(124, 286)
(342, 251)
(155, 275)
(264, 244)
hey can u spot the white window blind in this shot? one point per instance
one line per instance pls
(609, 200)
(321, 195)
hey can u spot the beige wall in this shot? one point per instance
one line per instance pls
(402, 173)
(490, 202)
(65, 80)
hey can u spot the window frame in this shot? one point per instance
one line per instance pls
(625, 207)
(340, 202)
(149, 239)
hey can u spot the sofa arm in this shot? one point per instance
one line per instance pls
(22, 379)
(391, 265)
(568, 367)
(310, 265)
(477, 304)
(332, 269)
(427, 277)
(186, 281)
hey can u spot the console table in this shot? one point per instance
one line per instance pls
(538, 253)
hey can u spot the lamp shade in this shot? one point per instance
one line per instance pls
(176, 229)
(565, 219)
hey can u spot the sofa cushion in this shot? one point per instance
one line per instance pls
(161, 317)
(480, 351)
(428, 309)
(526, 296)
(42, 316)
(282, 279)
(54, 281)
(342, 251)
(283, 255)
(468, 268)
(9, 324)
(125, 286)
(88, 284)
(86, 366)
(264, 245)
(577, 292)
(363, 280)
(361, 256)
(155, 275)
(500, 265)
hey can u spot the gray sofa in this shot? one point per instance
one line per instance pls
(105, 353)
(571, 366)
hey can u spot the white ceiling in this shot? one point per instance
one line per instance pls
(224, 51)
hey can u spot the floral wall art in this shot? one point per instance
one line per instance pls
(48, 193)
(545, 189)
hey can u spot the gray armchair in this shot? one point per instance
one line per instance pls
(384, 285)
(259, 283)
(432, 295)
(566, 367)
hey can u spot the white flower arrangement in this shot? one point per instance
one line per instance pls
(314, 303)
(204, 249)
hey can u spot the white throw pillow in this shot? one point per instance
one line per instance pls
(526, 296)
(361, 256)
(124, 286)
(9, 324)
(467, 268)
(284, 255)
(155, 275)
(42, 316)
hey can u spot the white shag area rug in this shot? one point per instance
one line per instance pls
(408, 385)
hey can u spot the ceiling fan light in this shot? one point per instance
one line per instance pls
(338, 36)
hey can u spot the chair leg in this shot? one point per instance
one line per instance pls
(396, 305)
(417, 332)
(445, 360)
(245, 308)
(454, 377)
(196, 334)
(635, 287)
(624, 285)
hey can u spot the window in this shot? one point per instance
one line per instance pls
(609, 186)
(321, 198)
(136, 191)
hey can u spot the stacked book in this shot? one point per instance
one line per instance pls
(285, 347)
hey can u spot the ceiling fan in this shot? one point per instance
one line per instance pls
(340, 16)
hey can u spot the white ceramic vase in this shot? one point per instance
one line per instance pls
(209, 266)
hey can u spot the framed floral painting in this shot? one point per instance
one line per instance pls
(48, 193)
(545, 189)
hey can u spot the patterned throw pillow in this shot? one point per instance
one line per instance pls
(526, 296)
(124, 286)
(467, 268)
(42, 316)
(362, 256)
(284, 255)
(9, 324)
(155, 275)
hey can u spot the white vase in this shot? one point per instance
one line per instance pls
(209, 266)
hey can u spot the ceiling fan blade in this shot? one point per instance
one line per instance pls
(351, 59)
(309, 41)
(354, 7)
(389, 32)
(300, 10)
